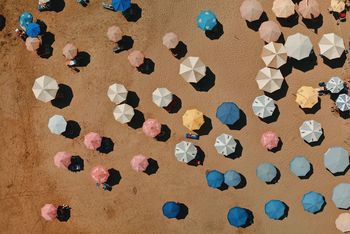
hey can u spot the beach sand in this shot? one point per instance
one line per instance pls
(29, 178)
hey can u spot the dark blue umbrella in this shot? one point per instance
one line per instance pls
(33, 30)
(228, 113)
(238, 217)
(215, 179)
(275, 209)
(313, 202)
(171, 209)
(121, 5)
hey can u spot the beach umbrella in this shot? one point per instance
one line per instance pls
(139, 163)
(123, 113)
(92, 140)
(269, 140)
(136, 58)
(228, 113)
(215, 179)
(275, 209)
(121, 5)
(341, 196)
(309, 9)
(225, 144)
(269, 31)
(307, 97)
(283, 8)
(232, 178)
(343, 102)
(335, 84)
(99, 174)
(62, 159)
(206, 20)
(33, 30)
(263, 106)
(185, 151)
(310, 131)
(70, 51)
(49, 212)
(114, 33)
(25, 19)
(171, 209)
(338, 5)
(162, 97)
(266, 172)
(251, 10)
(269, 80)
(313, 202)
(298, 46)
(336, 160)
(238, 217)
(117, 93)
(300, 166)
(32, 44)
(151, 127)
(331, 46)
(192, 69)
(274, 55)
(45, 88)
(57, 124)
(193, 119)
(343, 222)
(170, 40)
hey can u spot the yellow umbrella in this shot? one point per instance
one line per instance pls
(338, 5)
(193, 119)
(307, 97)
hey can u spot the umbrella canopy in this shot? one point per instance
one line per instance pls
(185, 151)
(139, 163)
(25, 19)
(70, 51)
(33, 30)
(57, 124)
(283, 8)
(309, 9)
(170, 40)
(136, 58)
(343, 222)
(228, 113)
(99, 174)
(269, 80)
(114, 33)
(341, 196)
(313, 202)
(269, 31)
(335, 84)
(193, 119)
(171, 209)
(275, 209)
(151, 127)
(338, 5)
(307, 97)
(49, 212)
(121, 5)
(269, 140)
(45, 88)
(300, 166)
(310, 131)
(298, 46)
(44, 1)
(251, 10)
(238, 217)
(32, 44)
(336, 160)
(192, 69)
(266, 172)
(232, 178)
(162, 97)
(215, 179)
(331, 46)
(123, 113)
(274, 55)
(92, 140)
(343, 102)
(263, 106)
(225, 144)
(206, 20)
(117, 93)
(62, 159)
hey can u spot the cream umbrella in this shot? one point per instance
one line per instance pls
(269, 79)
(269, 31)
(343, 222)
(185, 151)
(170, 40)
(311, 131)
(263, 106)
(331, 46)
(309, 9)
(335, 84)
(283, 8)
(251, 10)
(162, 97)
(45, 88)
(225, 144)
(117, 93)
(298, 46)
(192, 69)
(338, 5)
(123, 113)
(274, 55)
(343, 102)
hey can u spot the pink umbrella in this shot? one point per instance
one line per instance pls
(136, 58)
(170, 40)
(269, 31)
(269, 140)
(251, 10)
(70, 51)
(99, 174)
(32, 44)
(139, 163)
(92, 140)
(151, 127)
(114, 33)
(309, 9)
(49, 212)
(62, 159)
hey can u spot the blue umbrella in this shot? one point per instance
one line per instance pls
(341, 196)
(300, 166)
(266, 172)
(313, 202)
(232, 178)
(228, 113)
(171, 209)
(121, 5)
(33, 30)
(238, 217)
(25, 19)
(275, 209)
(215, 179)
(206, 20)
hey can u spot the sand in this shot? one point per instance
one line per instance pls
(29, 178)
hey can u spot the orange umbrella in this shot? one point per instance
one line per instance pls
(32, 43)
(114, 33)
(309, 9)
(269, 31)
(70, 51)
(251, 10)
(136, 58)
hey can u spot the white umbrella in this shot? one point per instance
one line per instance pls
(335, 84)
(225, 144)
(298, 46)
(123, 113)
(311, 131)
(185, 151)
(331, 46)
(57, 124)
(117, 93)
(283, 8)
(45, 88)
(263, 106)
(192, 69)
(269, 79)
(274, 55)
(162, 97)
(343, 102)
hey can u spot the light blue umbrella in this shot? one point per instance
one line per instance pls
(33, 30)
(336, 160)
(171, 209)
(313, 202)
(228, 113)
(121, 5)
(266, 172)
(215, 179)
(275, 209)
(57, 124)
(25, 19)
(232, 178)
(341, 196)
(239, 217)
(300, 166)
(206, 20)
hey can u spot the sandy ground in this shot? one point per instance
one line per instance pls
(29, 179)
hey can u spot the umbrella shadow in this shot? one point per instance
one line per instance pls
(335, 63)
(273, 117)
(165, 133)
(286, 68)
(345, 115)
(46, 50)
(76, 164)
(126, 43)
(147, 67)
(238, 151)
(278, 147)
(216, 32)
(63, 97)
(289, 22)
(286, 211)
(255, 25)
(280, 39)
(63, 213)
(205, 128)
(72, 130)
(322, 207)
(314, 23)
(132, 99)
(319, 141)
(341, 173)
(43, 26)
(174, 106)
(250, 219)
(305, 64)
(137, 121)
(314, 109)
(199, 159)
(241, 123)
(57, 5)
(223, 187)
(83, 59)
(277, 177)
(241, 184)
(152, 167)
(180, 50)
(206, 83)
(309, 174)
(107, 145)
(2, 22)
(183, 211)
(133, 14)
(113, 179)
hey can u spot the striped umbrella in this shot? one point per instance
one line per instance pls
(310, 131)
(335, 84)
(263, 106)
(343, 102)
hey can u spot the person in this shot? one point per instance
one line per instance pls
(21, 33)
(322, 84)
(71, 63)
(322, 90)
(44, 6)
(84, 3)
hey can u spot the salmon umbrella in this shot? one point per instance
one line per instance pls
(192, 69)
(338, 5)
(309, 9)
(269, 80)
(136, 58)
(307, 97)
(32, 43)
(298, 46)
(162, 97)
(117, 93)
(114, 33)
(151, 127)
(343, 222)
(269, 31)
(193, 119)
(92, 140)
(70, 51)
(274, 55)
(311, 131)
(99, 174)
(185, 151)
(139, 163)
(170, 40)
(49, 212)
(251, 10)
(335, 84)
(45, 88)
(123, 113)
(269, 140)
(331, 46)
(62, 159)
(283, 8)
(57, 124)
